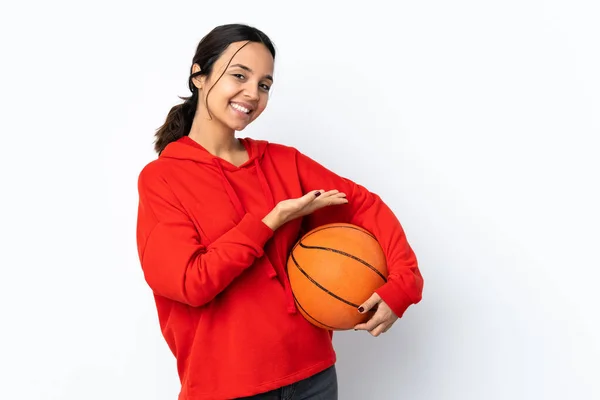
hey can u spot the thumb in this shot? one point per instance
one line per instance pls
(369, 304)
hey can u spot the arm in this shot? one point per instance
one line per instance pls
(366, 209)
(175, 263)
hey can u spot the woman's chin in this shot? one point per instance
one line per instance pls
(238, 126)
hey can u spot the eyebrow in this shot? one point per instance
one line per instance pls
(242, 66)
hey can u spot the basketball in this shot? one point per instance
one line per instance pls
(332, 270)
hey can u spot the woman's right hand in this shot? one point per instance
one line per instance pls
(290, 209)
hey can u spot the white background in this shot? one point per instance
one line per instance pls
(476, 121)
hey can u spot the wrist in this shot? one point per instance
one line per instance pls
(274, 219)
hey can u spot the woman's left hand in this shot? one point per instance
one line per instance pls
(381, 321)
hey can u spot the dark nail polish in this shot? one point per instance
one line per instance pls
(317, 194)
(361, 309)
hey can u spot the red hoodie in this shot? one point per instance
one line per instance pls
(217, 271)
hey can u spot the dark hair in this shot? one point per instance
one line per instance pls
(179, 120)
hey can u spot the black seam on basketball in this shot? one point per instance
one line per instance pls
(339, 226)
(322, 287)
(311, 317)
(304, 246)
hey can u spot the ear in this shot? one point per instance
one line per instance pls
(198, 80)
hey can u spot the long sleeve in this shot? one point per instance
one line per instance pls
(175, 263)
(405, 283)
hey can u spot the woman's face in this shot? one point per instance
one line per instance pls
(237, 88)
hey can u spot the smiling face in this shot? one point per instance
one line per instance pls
(238, 87)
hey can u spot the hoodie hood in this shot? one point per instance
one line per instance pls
(188, 149)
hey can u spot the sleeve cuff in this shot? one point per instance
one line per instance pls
(255, 230)
(394, 296)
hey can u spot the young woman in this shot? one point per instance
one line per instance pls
(217, 218)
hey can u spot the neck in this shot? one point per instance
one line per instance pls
(217, 139)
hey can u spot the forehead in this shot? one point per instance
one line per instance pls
(252, 55)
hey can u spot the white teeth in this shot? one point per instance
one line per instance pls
(240, 108)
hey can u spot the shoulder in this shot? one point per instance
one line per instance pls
(154, 172)
(273, 150)
(280, 149)
(291, 153)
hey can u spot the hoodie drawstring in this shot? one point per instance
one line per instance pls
(269, 195)
(237, 204)
(273, 272)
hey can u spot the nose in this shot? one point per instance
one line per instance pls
(251, 91)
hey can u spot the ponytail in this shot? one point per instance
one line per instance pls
(178, 122)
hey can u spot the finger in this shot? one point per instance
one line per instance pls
(337, 196)
(378, 330)
(369, 325)
(333, 201)
(326, 200)
(387, 328)
(332, 193)
(311, 196)
(369, 304)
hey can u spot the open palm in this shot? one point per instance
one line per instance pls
(310, 202)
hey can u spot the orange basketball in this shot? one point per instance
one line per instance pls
(333, 269)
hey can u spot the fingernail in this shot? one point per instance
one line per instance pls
(361, 309)
(317, 194)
